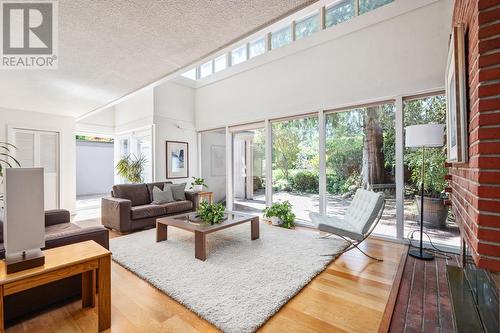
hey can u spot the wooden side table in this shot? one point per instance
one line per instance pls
(83, 258)
(206, 196)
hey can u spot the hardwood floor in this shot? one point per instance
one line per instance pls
(351, 295)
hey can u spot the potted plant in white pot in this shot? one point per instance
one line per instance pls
(197, 184)
(281, 214)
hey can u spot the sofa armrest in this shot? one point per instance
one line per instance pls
(56, 216)
(115, 213)
(194, 197)
(97, 233)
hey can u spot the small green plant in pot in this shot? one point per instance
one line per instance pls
(281, 214)
(198, 184)
(211, 213)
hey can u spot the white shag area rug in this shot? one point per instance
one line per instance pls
(242, 283)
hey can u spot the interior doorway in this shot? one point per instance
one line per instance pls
(249, 167)
(94, 173)
(40, 149)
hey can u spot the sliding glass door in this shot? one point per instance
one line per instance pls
(318, 167)
(439, 223)
(295, 165)
(360, 153)
(249, 169)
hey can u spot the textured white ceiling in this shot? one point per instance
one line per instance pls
(108, 49)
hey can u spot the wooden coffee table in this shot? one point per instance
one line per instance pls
(202, 230)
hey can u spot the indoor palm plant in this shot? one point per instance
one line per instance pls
(197, 184)
(7, 160)
(281, 214)
(131, 168)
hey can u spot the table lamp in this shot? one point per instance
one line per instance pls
(24, 220)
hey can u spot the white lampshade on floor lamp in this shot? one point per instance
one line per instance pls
(423, 136)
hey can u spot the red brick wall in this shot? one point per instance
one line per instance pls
(476, 185)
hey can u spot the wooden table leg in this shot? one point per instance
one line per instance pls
(161, 232)
(200, 245)
(1, 309)
(255, 228)
(88, 288)
(104, 310)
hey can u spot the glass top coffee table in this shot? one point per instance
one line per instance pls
(190, 222)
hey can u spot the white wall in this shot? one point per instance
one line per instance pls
(101, 123)
(174, 121)
(215, 183)
(94, 167)
(44, 121)
(396, 49)
(134, 112)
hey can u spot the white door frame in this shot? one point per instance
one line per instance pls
(10, 137)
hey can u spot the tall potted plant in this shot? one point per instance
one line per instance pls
(131, 168)
(435, 211)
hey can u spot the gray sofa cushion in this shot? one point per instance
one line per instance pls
(177, 191)
(157, 184)
(161, 197)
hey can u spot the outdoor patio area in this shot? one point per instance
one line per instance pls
(306, 203)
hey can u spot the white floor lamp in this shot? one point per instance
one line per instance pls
(423, 136)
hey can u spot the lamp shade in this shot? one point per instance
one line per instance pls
(429, 135)
(24, 226)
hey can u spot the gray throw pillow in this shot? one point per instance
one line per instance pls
(177, 191)
(161, 197)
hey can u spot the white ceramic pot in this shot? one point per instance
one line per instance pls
(276, 220)
(198, 188)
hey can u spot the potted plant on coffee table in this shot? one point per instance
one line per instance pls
(197, 184)
(211, 213)
(281, 214)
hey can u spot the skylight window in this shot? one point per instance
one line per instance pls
(206, 69)
(339, 13)
(368, 5)
(220, 63)
(190, 74)
(239, 55)
(281, 37)
(307, 26)
(291, 30)
(257, 47)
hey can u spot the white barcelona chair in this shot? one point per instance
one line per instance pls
(362, 216)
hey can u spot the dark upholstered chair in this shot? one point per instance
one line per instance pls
(58, 232)
(129, 208)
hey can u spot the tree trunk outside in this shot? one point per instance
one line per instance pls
(373, 156)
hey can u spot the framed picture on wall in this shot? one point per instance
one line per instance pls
(177, 155)
(456, 98)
